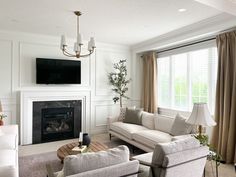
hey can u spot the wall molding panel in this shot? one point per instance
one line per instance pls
(18, 52)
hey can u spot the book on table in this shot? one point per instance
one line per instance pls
(78, 149)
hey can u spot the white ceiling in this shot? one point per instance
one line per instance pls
(113, 21)
(228, 6)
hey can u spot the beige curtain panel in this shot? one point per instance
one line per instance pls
(224, 134)
(149, 82)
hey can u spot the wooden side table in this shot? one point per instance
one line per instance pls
(66, 149)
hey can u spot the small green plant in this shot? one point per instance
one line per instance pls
(118, 80)
(2, 116)
(213, 155)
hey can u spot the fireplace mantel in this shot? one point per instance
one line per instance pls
(28, 97)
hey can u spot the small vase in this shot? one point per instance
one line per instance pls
(1, 123)
(86, 139)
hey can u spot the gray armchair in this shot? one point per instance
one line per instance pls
(180, 158)
(112, 163)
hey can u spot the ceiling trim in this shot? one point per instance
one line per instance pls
(188, 33)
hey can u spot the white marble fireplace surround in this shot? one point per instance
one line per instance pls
(28, 97)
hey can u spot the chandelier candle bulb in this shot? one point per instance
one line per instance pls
(63, 41)
(89, 46)
(92, 42)
(76, 47)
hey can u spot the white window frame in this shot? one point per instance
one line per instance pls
(190, 48)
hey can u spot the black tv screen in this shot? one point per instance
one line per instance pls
(56, 71)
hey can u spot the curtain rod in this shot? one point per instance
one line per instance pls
(186, 45)
(213, 37)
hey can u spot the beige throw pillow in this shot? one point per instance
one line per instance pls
(123, 112)
(133, 116)
(180, 127)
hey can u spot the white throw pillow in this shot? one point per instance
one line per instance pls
(148, 120)
(74, 164)
(180, 127)
(163, 123)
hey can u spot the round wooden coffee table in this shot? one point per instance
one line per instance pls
(66, 149)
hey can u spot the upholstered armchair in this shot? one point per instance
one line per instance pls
(180, 158)
(111, 163)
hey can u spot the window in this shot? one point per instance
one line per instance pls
(187, 77)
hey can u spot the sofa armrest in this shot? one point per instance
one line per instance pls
(179, 137)
(9, 129)
(8, 171)
(186, 156)
(110, 120)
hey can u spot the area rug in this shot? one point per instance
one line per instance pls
(35, 165)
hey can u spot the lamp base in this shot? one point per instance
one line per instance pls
(200, 130)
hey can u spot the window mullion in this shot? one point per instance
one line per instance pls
(189, 85)
(171, 84)
(210, 78)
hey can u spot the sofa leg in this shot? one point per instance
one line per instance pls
(133, 149)
(110, 136)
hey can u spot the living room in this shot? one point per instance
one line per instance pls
(181, 36)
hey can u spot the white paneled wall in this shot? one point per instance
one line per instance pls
(18, 52)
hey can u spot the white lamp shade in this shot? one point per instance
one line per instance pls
(0, 107)
(201, 116)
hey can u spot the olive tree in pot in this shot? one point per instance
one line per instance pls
(118, 80)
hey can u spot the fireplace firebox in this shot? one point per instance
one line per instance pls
(56, 120)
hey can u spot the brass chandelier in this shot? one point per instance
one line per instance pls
(78, 44)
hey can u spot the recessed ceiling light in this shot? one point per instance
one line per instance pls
(182, 10)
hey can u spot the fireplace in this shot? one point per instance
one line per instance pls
(56, 120)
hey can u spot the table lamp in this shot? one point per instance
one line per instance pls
(201, 117)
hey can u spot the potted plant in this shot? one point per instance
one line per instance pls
(2, 116)
(213, 155)
(118, 80)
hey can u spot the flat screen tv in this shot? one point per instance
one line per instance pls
(57, 71)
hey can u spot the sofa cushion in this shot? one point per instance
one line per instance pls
(133, 116)
(148, 120)
(8, 157)
(151, 137)
(8, 141)
(74, 164)
(126, 129)
(180, 127)
(163, 123)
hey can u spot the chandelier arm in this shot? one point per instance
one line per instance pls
(68, 54)
(85, 55)
(65, 52)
